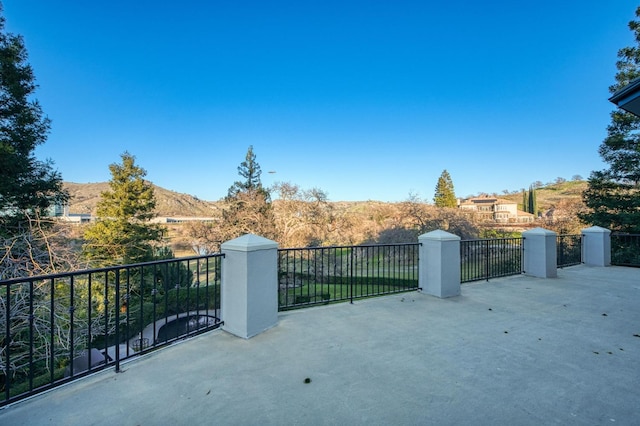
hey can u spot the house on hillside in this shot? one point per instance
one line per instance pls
(496, 210)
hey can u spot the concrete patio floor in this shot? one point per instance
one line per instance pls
(512, 351)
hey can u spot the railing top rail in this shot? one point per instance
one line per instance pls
(349, 247)
(623, 234)
(105, 269)
(495, 239)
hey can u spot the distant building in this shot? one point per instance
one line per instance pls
(57, 210)
(496, 210)
(181, 219)
(78, 218)
(61, 212)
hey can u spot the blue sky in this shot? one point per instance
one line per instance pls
(366, 100)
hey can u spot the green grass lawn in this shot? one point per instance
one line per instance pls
(340, 288)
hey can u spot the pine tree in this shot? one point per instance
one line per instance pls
(250, 170)
(445, 195)
(613, 195)
(247, 207)
(123, 233)
(27, 186)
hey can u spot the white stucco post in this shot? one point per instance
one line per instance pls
(439, 270)
(249, 294)
(540, 253)
(596, 246)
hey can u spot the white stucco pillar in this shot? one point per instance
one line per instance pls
(540, 253)
(596, 246)
(439, 271)
(249, 293)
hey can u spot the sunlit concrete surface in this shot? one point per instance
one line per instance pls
(512, 351)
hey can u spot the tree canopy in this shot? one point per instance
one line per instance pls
(445, 195)
(419, 218)
(28, 186)
(247, 207)
(302, 217)
(250, 170)
(613, 195)
(122, 233)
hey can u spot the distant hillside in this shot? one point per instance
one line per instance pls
(85, 197)
(552, 195)
(353, 222)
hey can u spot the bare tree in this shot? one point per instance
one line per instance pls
(40, 247)
(302, 217)
(564, 217)
(416, 213)
(425, 218)
(204, 237)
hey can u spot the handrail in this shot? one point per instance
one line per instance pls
(482, 259)
(57, 327)
(320, 275)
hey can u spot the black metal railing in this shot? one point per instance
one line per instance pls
(625, 249)
(569, 250)
(490, 258)
(55, 328)
(320, 275)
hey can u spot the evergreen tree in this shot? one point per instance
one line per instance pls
(613, 195)
(123, 233)
(532, 202)
(27, 186)
(525, 201)
(445, 195)
(250, 170)
(247, 207)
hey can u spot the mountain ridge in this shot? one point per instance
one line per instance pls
(84, 198)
